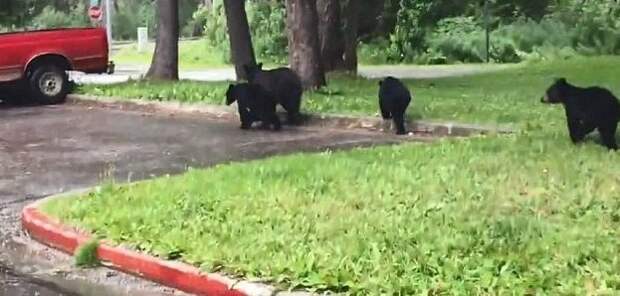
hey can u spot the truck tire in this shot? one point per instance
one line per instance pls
(13, 93)
(49, 84)
(11, 100)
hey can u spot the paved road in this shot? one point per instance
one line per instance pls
(47, 150)
(125, 72)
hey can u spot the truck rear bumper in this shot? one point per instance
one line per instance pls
(110, 68)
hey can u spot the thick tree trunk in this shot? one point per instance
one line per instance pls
(165, 64)
(370, 19)
(239, 35)
(303, 42)
(330, 34)
(350, 24)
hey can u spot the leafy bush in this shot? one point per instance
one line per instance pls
(216, 31)
(374, 52)
(425, 32)
(461, 39)
(50, 18)
(597, 31)
(132, 15)
(457, 39)
(195, 26)
(408, 36)
(267, 25)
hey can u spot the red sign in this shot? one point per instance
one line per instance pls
(95, 12)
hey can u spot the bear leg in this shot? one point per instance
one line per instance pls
(292, 117)
(385, 113)
(399, 121)
(246, 118)
(292, 106)
(264, 125)
(575, 130)
(246, 125)
(275, 120)
(608, 135)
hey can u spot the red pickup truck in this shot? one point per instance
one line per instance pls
(34, 65)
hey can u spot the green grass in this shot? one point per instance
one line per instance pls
(523, 214)
(183, 91)
(198, 54)
(86, 255)
(193, 54)
(506, 96)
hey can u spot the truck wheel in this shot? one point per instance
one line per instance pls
(49, 84)
(13, 93)
(11, 100)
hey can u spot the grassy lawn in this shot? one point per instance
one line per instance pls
(507, 96)
(524, 214)
(193, 54)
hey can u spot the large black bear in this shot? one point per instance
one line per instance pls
(255, 104)
(283, 84)
(586, 109)
(394, 98)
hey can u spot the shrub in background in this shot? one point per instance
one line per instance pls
(50, 18)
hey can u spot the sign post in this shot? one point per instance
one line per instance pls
(143, 40)
(108, 23)
(487, 29)
(96, 11)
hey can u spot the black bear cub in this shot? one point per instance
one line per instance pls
(283, 84)
(586, 109)
(255, 104)
(394, 98)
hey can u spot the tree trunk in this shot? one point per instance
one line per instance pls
(303, 42)
(350, 24)
(239, 35)
(330, 34)
(165, 64)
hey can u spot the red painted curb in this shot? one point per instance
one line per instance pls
(172, 274)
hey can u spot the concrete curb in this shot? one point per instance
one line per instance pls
(445, 129)
(177, 275)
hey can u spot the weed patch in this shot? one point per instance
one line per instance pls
(86, 255)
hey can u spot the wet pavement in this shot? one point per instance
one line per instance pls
(54, 149)
(17, 285)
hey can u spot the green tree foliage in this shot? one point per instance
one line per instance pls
(267, 24)
(128, 15)
(424, 31)
(18, 14)
(438, 31)
(51, 17)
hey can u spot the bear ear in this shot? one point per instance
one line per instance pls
(380, 82)
(561, 80)
(259, 66)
